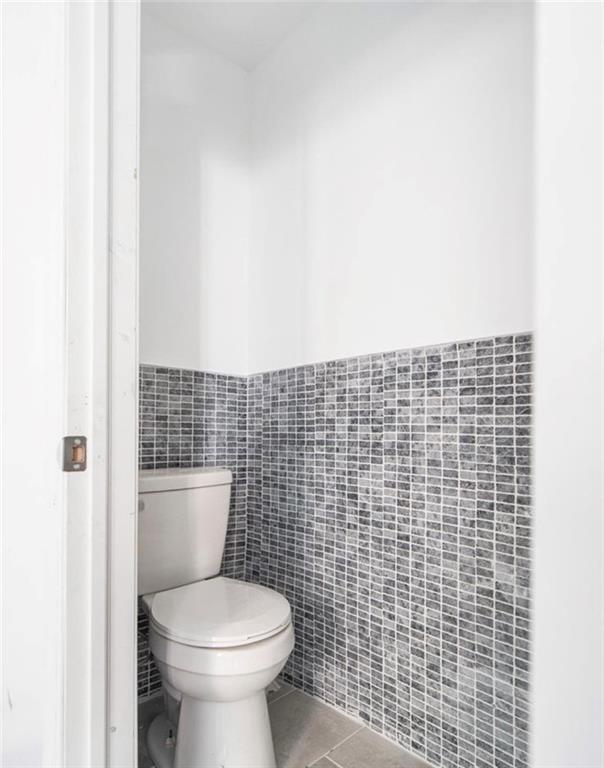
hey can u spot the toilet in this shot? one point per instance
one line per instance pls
(217, 642)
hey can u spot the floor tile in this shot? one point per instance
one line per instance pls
(305, 729)
(146, 712)
(307, 732)
(366, 748)
(283, 690)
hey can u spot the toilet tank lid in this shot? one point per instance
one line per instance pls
(153, 480)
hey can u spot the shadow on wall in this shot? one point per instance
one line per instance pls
(170, 202)
(194, 203)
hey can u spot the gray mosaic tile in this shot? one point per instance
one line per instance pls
(389, 500)
(194, 419)
(388, 497)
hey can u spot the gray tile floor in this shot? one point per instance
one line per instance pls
(307, 733)
(146, 712)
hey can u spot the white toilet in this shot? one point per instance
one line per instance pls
(217, 642)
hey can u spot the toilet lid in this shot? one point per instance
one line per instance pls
(219, 613)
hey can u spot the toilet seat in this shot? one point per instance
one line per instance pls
(218, 613)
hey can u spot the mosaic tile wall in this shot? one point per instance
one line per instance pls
(188, 419)
(388, 499)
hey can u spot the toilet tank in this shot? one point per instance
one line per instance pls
(182, 523)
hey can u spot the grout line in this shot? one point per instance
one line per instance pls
(325, 757)
(339, 743)
(283, 695)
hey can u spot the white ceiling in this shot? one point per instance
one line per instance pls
(243, 32)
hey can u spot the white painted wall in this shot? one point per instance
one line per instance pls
(391, 187)
(568, 618)
(195, 200)
(33, 382)
(392, 181)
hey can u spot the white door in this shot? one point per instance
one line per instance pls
(69, 367)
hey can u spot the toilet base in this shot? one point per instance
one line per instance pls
(224, 734)
(160, 742)
(234, 734)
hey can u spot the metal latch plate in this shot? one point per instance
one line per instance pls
(74, 453)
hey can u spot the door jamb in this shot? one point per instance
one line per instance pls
(101, 325)
(123, 381)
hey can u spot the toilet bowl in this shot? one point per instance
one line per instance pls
(218, 644)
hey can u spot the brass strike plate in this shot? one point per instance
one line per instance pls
(74, 453)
